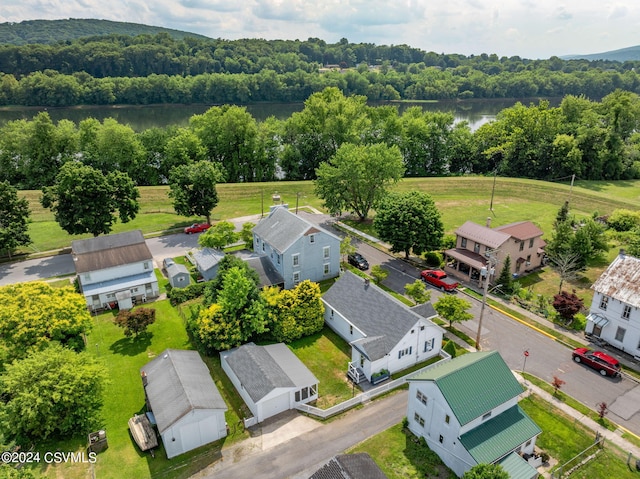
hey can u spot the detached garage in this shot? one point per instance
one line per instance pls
(187, 406)
(270, 379)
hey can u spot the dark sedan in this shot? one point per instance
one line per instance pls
(357, 260)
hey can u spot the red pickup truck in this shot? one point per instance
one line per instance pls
(439, 279)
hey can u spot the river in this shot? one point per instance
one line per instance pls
(475, 112)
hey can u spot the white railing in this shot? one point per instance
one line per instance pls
(367, 395)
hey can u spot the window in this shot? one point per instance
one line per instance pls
(421, 397)
(326, 269)
(146, 265)
(325, 252)
(296, 277)
(413, 331)
(620, 334)
(111, 296)
(531, 243)
(447, 418)
(278, 258)
(295, 258)
(428, 345)
(521, 245)
(441, 439)
(529, 258)
(417, 418)
(351, 329)
(312, 239)
(603, 302)
(263, 247)
(463, 243)
(87, 277)
(332, 314)
(476, 248)
(626, 312)
(422, 328)
(486, 416)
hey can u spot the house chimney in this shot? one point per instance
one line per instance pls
(366, 282)
(488, 221)
(623, 253)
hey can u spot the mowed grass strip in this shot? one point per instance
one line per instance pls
(458, 199)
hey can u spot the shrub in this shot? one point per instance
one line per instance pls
(180, 295)
(623, 220)
(450, 348)
(433, 258)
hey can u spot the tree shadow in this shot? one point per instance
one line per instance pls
(132, 346)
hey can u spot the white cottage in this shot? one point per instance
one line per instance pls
(614, 315)
(467, 411)
(270, 379)
(384, 334)
(187, 406)
(115, 270)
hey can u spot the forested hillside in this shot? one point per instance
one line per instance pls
(54, 31)
(146, 69)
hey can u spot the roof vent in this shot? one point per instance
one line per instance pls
(366, 282)
(623, 253)
(488, 221)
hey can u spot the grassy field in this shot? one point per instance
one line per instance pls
(458, 199)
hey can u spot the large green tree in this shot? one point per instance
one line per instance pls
(356, 178)
(34, 314)
(53, 393)
(85, 200)
(193, 188)
(486, 471)
(222, 234)
(409, 221)
(14, 215)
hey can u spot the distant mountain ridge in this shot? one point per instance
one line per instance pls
(621, 55)
(53, 31)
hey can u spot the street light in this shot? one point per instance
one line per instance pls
(487, 273)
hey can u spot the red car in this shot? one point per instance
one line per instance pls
(197, 228)
(602, 362)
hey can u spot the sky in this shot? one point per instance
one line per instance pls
(525, 28)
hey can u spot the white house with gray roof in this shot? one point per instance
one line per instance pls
(115, 270)
(187, 407)
(270, 379)
(297, 249)
(614, 315)
(384, 333)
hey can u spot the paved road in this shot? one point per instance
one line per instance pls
(300, 456)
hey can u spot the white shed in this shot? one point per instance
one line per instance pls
(270, 379)
(185, 402)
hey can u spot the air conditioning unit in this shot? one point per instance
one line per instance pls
(528, 263)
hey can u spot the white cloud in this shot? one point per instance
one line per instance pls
(527, 28)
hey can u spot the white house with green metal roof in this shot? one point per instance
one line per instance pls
(467, 411)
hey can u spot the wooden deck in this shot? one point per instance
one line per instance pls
(143, 432)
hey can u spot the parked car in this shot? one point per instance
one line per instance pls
(357, 260)
(197, 228)
(439, 279)
(602, 362)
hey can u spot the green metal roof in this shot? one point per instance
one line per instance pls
(500, 435)
(517, 467)
(473, 384)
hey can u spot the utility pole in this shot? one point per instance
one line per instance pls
(489, 269)
(573, 177)
(493, 190)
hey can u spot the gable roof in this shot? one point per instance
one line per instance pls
(282, 228)
(178, 382)
(426, 310)
(473, 384)
(522, 230)
(500, 435)
(380, 316)
(350, 466)
(176, 269)
(621, 280)
(206, 258)
(482, 235)
(109, 251)
(261, 369)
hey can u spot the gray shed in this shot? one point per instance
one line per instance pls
(207, 260)
(178, 275)
(185, 402)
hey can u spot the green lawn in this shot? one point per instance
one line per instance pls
(123, 357)
(326, 355)
(401, 455)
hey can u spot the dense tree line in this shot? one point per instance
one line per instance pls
(146, 69)
(592, 140)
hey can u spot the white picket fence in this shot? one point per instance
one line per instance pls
(367, 395)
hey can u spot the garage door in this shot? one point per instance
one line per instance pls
(275, 406)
